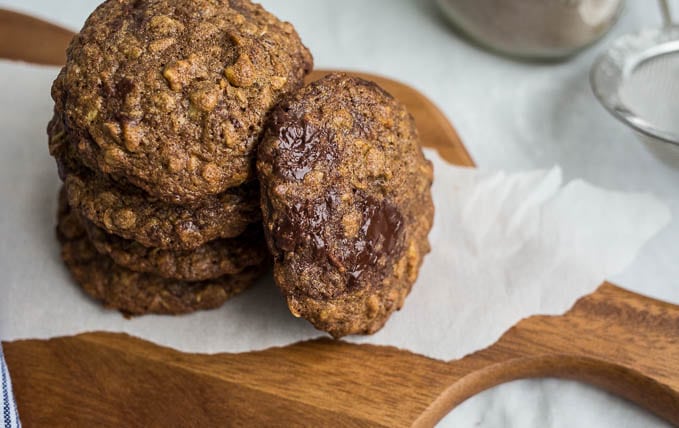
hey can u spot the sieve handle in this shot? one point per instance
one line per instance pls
(666, 13)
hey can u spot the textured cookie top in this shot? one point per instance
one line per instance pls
(345, 190)
(172, 94)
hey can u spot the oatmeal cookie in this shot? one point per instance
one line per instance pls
(212, 260)
(346, 201)
(172, 95)
(134, 293)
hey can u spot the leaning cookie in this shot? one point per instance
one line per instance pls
(134, 293)
(172, 95)
(212, 260)
(346, 201)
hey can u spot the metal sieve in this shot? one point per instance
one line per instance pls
(637, 80)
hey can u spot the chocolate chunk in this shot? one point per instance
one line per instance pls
(346, 201)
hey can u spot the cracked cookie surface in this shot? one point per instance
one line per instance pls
(346, 201)
(172, 95)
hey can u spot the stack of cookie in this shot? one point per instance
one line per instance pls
(158, 113)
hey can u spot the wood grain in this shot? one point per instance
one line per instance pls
(614, 339)
(617, 340)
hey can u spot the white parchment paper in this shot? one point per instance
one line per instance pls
(505, 246)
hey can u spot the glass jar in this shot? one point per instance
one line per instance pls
(538, 29)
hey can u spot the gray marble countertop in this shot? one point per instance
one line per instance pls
(513, 116)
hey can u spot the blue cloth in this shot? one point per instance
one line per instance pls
(10, 414)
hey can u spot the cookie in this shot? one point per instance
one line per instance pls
(132, 214)
(212, 260)
(172, 95)
(134, 293)
(346, 200)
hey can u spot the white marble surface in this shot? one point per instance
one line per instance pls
(513, 116)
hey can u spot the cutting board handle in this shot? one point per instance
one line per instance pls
(30, 39)
(614, 339)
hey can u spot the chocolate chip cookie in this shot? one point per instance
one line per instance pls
(172, 95)
(209, 261)
(346, 200)
(134, 293)
(132, 214)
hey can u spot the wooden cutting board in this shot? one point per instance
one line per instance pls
(617, 340)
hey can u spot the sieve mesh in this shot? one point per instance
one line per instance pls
(651, 91)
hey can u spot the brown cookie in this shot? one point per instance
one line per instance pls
(212, 260)
(134, 293)
(133, 215)
(346, 200)
(172, 95)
